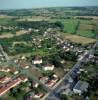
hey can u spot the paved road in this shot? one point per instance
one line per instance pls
(53, 95)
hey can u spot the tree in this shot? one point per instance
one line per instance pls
(60, 25)
(14, 32)
(63, 97)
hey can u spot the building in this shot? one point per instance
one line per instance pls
(37, 60)
(9, 69)
(80, 87)
(4, 69)
(32, 95)
(12, 83)
(23, 78)
(43, 79)
(49, 82)
(13, 70)
(48, 67)
(24, 65)
(4, 79)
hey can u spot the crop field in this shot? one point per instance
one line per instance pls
(78, 39)
(69, 24)
(85, 27)
(4, 21)
(5, 16)
(33, 18)
(86, 33)
(10, 34)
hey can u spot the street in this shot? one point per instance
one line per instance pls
(53, 95)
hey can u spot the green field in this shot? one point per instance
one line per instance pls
(84, 29)
(86, 33)
(69, 24)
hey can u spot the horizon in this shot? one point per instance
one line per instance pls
(31, 4)
(46, 7)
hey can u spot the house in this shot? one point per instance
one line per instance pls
(23, 58)
(62, 61)
(35, 84)
(80, 87)
(4, 69)
(52, 81)
(23, 78)
(43, 79)
(12, 83)
(48, 67)
(8, 86)
(24, 65)
(37, 60)
(13, 70)
(32, 95)
(4, 79)
(37, 95)
(9, 69)
(82, 70)
(49, 83)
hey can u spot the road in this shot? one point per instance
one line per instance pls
(21, 70)
(53, 95)
(4, 53)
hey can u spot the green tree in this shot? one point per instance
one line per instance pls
(63, 97)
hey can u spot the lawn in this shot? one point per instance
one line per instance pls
(59, 72)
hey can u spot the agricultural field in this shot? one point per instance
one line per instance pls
(79, 27)
(69, 24)
(33, 18)
(78, 39)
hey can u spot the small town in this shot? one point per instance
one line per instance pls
(49, 53)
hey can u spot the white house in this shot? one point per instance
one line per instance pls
(37, 60)
(48, 67)
(80, 87)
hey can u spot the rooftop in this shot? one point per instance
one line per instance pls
(81, 85)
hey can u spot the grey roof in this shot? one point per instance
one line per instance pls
(81, 85)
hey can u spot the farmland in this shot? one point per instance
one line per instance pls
(78, 39)
(15, 29)
(85, 27)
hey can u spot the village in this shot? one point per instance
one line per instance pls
(50, 54)
(37, 75)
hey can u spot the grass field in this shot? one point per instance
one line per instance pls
(4, 21)
(69, 24)
(86, 33)
(84, 29)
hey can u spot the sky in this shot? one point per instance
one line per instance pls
(18, 4)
